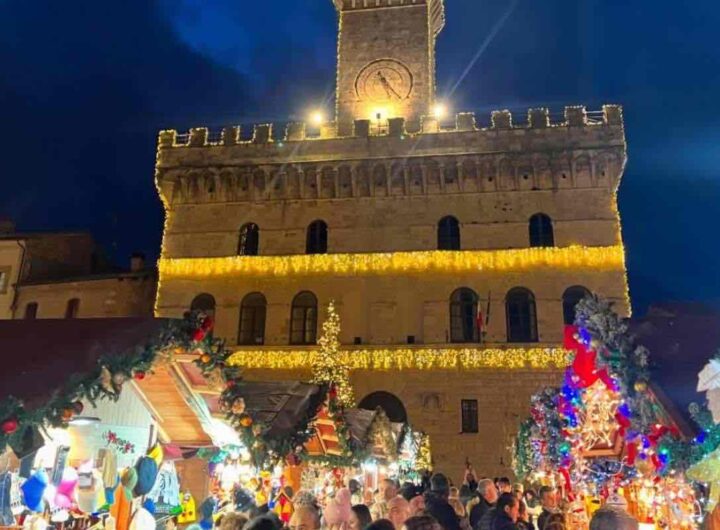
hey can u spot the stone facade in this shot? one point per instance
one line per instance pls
(129, 294)
(383, 187)
(59, 274)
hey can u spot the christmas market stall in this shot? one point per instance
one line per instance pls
(603, 437)
(81, 444)
(301, 435)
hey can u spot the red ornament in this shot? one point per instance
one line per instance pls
(78, 407)
(231, 383)
(207, 324)
(9, 426)
(139, 376)
(631, 453)
(198, 335)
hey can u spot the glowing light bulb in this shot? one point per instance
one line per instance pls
(439, 110)
(317, 118)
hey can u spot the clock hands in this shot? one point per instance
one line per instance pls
(387, 86)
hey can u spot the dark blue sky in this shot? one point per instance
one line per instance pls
(85, 85)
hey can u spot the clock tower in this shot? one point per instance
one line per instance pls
(386, 60)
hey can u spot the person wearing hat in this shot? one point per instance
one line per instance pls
(437, 505)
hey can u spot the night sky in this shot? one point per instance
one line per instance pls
(85, 86)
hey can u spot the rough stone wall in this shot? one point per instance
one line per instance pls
(128, 295)
(51, 256)
(387, 309)
(494, 220)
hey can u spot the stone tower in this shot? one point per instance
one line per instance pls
(386, 60)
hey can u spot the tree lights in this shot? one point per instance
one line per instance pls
(328, 366)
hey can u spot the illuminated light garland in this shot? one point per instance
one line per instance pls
(408, 359)
(386, 263)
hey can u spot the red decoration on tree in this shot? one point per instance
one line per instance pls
(198, 335)
(139, 376)
(207, 324)
(631, 453)
(9, 426)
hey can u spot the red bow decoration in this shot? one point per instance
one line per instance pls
(585, 363)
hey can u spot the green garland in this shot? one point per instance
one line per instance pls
(104, 382)
(265, 450)
(523, 453)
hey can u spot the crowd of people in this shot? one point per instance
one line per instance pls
(435, 505)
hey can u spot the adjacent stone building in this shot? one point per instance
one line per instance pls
(454, 253)
(63, 275)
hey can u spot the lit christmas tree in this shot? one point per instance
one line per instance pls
(328, 368)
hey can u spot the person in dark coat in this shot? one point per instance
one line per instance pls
(437, 505)
(487, 497)
(548, 499)
(503, 516)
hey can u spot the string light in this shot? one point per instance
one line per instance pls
(597, 420)
(408, 359)
(387, 263)
(329, 367)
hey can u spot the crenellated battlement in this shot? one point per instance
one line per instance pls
(582, 150)
(538, 118)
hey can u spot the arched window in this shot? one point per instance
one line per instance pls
(253, 310)
(204, 302)
(249, 240)
(303, 319)
(390, 403)
(541, 231)
(31, 311)
(463, 316)
(72, 308)
(317, 237)
(521, 316)
(570, 299)
(448, 234)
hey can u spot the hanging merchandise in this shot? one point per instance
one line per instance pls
(142, 520)
(121, 508)
(188, 515)
(6, 515)
(91, 491)
(166, 489)
(33, 491)
(108, 467)
(283, 504)
(147, 472)
(65, 493)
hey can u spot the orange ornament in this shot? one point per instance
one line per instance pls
(67, 414)
(246, 420)
(205, 358)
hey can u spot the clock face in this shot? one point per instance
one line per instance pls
(383, 81)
